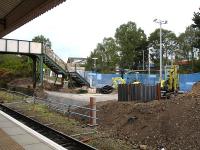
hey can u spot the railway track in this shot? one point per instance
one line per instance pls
(56, 136)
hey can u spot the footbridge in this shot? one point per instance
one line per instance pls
(38, 52)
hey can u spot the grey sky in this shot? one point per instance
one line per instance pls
(76, 26)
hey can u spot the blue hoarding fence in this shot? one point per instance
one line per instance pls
(98, 80)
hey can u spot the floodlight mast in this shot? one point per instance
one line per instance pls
(160, 22)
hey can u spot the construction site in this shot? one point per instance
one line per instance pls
(91, 103)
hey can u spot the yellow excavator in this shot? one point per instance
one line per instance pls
(171, 83)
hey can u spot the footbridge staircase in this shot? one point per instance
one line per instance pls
(37, 51)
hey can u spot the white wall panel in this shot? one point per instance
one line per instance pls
(36, 48)
(2, 45)
(12, 46)
(23, 47)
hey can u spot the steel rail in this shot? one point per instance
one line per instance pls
(60, 138)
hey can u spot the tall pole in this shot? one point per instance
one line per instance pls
(95, 65)
(160, 23)
(149, 63)
(160, 51)
(143, 59)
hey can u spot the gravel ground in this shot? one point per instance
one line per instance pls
(79, 99)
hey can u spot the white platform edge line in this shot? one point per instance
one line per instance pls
(31, 131)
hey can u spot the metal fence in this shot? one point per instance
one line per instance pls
(138, 92)
(66, 109)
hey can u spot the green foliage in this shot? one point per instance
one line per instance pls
(40, 38)
(187, 41)
(196, 19)
(131, 41)
(20, 66)
(106, 52)
(126, 50)
(169, 44)
(196, 24)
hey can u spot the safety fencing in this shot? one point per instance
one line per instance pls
(187, 80)
(138, 92)
(98, 80)
(66, 109)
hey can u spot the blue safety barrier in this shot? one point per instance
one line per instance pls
(151, 79)
(187, 80)
(99, 80)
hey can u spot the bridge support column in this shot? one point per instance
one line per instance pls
(34, 72)
(41, 70)
(62, 80)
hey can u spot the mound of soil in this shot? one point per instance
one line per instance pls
(51, 86)
(172, 124)
(195, 88)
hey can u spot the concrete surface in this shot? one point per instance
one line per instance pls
(79, 99)
(23, 136)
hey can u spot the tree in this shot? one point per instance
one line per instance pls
(16, 64)
(169, 44)
(196, 19)
(40, 38)
(109, 54)
(106, 52)
(196, 24)
(131, 42)
(187, 41)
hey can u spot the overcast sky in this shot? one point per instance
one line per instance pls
(76, 26)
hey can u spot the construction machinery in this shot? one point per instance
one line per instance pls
(170, 84)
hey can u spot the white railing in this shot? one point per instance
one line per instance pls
(20, 46)
(66, 66)
(49, 52)
(75, 68)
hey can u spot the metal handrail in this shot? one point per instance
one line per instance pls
(65, 66)
(49, 52)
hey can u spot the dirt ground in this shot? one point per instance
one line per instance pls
(172, 124)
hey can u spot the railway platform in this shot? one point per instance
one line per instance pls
(16, 136)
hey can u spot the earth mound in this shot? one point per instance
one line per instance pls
(172, 124)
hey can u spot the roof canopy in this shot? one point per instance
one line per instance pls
(15, 13)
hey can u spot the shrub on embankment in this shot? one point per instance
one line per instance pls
(12, 66)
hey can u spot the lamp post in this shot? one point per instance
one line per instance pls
(143, 59)
(95, 61)
(160, 22)
(149, 59)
